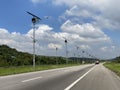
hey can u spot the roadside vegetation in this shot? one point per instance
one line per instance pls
(14, 62)
(12, 57)
(23, 69)
(114, 65)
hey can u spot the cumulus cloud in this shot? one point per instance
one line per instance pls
(86, 32)
(14, 39)
(41, 30)
(102, 13)
(47, 39)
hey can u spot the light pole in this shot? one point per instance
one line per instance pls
(83, 55)
(56, 49)
(35, 19)
(56, 55)
(66, 51)
(74, 59)
(78, 54)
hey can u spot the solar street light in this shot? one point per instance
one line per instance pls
(34, 20)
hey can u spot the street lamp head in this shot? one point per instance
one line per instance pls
(77, 47)
(56, 48)
(65, 41)
(34, 20)
(83, 51)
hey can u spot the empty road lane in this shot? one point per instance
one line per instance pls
(99, 78)
(84, 77)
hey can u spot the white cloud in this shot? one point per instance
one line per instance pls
(63, 2)
(38, 1)
(54, 46)
(102, 13)
(86, 32)
(35, 1)
(77, 11)
(104, 49)
(47, 39)
(85, 47)
(3, 31)
(40, 30)
(109, 49)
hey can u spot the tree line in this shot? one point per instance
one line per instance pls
(12, 57)
(116, 60)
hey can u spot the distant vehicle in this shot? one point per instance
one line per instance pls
(97, 62)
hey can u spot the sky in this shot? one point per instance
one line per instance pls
(93, 26)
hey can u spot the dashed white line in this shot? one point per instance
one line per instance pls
(31, 79)
(75, 82)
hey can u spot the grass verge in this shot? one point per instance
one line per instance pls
(23, 69)
(115, 67)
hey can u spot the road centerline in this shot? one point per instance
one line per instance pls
(75, 82)
(31, 79)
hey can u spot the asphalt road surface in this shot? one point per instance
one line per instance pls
(83, 77)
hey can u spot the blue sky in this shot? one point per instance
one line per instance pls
(92, 25)
(14, 17)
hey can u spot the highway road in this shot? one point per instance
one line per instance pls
(83, 77)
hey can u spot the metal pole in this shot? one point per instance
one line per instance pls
(74, 60)
(56, 56)
(78, 55)
(83, 55)
(66, 51)
(33, 44)
(34, 20)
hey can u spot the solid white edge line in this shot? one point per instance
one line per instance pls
(71, 85)
(31, 79)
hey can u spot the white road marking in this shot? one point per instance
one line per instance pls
(31, 79)
(75, 82)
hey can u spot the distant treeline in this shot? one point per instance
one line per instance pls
(12, 57)
(116, 60)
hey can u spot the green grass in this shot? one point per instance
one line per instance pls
(114, 67)
(23, 69)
